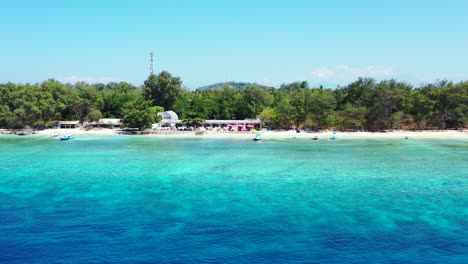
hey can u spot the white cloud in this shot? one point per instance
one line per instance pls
(75, 79)
(266, 80)
(323, 73)
(436, 76)
(346, 73)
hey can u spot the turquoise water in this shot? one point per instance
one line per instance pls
(158, 200)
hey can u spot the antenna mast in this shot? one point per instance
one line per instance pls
(151, 62)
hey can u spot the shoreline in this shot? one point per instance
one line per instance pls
(396, 134)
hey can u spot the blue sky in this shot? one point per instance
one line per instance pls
(269, 42)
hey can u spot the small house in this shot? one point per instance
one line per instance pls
(109, 122)
(68, 124)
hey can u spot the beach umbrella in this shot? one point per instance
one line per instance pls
(250, 125)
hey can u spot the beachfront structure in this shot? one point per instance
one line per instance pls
(246, 123)
(109, 122)
(169, 118)
(105, 123)
(67, 124)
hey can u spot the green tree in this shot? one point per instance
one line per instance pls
(80, 110)
(321, 106)
(53, 100)
(162, 89)
(451, 104)
(140, 114)
(256, 99)
(268, 115)
(359, 92)
(295, 86)
(223, 104)
(115, 96)
(283, 109)
(193, 105)
(460, 95)
(6, 117)
(94, 115)
(423, 107)
(352, 117)
(389, 97)
(300, 99)
(89, 95)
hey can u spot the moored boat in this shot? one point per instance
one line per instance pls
(67, 137)
(257, 137)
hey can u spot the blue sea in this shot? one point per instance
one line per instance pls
(131, 199)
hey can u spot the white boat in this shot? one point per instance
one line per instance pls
(257, 137)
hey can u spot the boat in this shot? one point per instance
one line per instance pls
(22, 133)
(315, 138)
(55, 135)
(67, 137)
(257, 137)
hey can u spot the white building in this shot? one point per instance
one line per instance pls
(169, 118)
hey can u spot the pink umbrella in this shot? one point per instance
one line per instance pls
(249, 125)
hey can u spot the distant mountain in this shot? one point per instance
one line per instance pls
(236, 85)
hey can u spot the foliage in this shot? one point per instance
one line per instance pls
(94, 115)
(234, 85)
(162, 89)
(140, 114)
(362, 105)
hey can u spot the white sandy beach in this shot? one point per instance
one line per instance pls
(397, 134)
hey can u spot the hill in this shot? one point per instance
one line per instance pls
(236, 85)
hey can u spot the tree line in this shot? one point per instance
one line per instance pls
(364, 104)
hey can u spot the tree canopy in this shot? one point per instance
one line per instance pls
(162, 89)
(364, 104)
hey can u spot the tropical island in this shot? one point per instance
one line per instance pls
(363, 105)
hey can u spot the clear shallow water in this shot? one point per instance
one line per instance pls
(150, 200)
